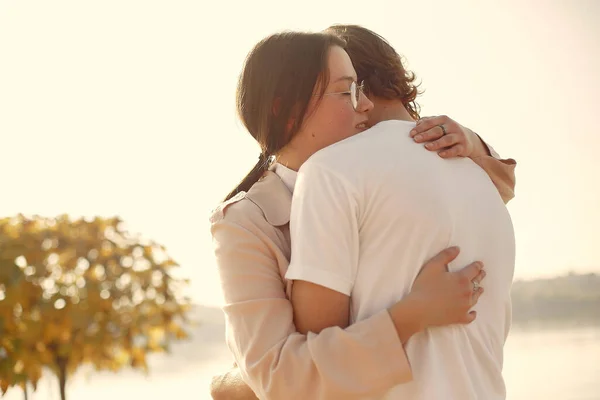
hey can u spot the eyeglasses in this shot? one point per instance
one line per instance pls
(354, 93)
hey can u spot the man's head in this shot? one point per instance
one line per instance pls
(379, 66)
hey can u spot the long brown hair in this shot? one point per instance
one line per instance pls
(274, 90)
(379, 66)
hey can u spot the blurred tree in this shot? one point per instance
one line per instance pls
(76, 292)
(20, 361)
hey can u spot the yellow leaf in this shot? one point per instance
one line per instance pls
(3, 386)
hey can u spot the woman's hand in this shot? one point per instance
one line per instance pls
(439, 297)
(231, 386)
(448, 138)
(446, 297)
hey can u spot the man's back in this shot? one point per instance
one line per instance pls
(411, 204)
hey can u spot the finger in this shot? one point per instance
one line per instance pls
(454, 151)
(439, 263)
(476, 295)
(470, 317)
(423, 119)
(469, 272)
(480, 276)
(443, 258)
(434, 133)
(424, 124)
(443, 142)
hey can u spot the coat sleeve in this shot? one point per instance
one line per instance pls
(365, 359)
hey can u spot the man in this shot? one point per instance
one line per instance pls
(392, 90)
(370, 208)
(394, 101)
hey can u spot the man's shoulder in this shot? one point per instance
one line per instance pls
(390, 128)
(394, 125)
(393, 129)
(362, 147)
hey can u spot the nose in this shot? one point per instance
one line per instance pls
(364, 104)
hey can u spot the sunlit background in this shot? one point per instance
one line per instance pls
(127, 108)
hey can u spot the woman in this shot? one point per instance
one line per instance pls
(290, 107)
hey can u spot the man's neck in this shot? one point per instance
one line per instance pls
(386, 110)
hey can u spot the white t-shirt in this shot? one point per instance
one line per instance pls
(369, 211)
(288, 176)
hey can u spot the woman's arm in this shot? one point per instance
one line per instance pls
(460, 141)
(437, 298)
(231, 386)
(276, 361)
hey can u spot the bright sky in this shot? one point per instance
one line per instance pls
(127, 107)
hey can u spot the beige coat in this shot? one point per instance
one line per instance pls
(252, 248)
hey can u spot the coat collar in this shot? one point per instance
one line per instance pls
(273, 197)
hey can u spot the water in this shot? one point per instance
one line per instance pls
(540, 363)
(553, 363)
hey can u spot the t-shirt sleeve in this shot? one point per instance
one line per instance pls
(324, 229)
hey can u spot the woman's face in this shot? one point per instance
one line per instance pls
(331, 118)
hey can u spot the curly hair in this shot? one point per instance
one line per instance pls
(379, 66)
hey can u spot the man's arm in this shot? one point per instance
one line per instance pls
(325, 243)
(317, 307)
(276, 361)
